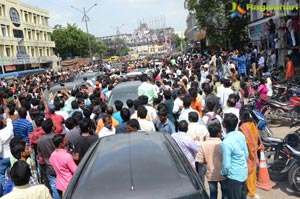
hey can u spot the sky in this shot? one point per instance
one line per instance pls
(110, 14)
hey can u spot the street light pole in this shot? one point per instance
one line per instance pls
(117, 28)
(85, 19)
(2, 67)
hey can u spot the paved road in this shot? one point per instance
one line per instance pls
(282, 190)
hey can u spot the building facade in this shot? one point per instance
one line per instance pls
(194, 34)
(25, 37)
(258, 27)
(143, 42)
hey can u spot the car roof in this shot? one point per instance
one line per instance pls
(58, 87)
(133, 74)
(126, 86)
(136, 165)
(88, 75)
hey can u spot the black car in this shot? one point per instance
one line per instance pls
(124, 91)
(137, 165)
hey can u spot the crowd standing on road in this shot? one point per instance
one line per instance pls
(198, 99)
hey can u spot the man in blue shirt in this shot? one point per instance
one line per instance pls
(235, 155)
(185, 142)
(164, 124)
(243, 61)
(117, 114)
(21, 126)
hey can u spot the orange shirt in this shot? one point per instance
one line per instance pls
(196, 105)
(100, 124)
(290, 70)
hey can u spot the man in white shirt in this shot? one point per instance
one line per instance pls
(178, 103)
(145, 125)
(260, 63)
(291, 29)
(147, 89)
(108, 129)
(187, 109)
(210, 104)
(20, 175)
(145, 102)
(231, 102)
(224, 93)
(6, 134)
(196, 131)
(59, 104)
(273, 59)
(268, 83)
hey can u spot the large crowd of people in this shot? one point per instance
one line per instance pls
(199, 99)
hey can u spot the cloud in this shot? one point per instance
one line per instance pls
(138, 4)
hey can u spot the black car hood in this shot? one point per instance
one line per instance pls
(133, 166)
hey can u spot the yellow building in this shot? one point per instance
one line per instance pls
(25, 37)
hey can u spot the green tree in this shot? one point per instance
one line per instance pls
(210, 15)
(213, 16)
(71, 41)
(119, 47)
(177, 41)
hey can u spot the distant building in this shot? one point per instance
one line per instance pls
(194, 34)
(25, 37)
(143, 42)
(259, 31)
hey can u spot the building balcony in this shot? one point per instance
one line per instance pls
(40, 43)
(5, 20)
(37, 27)
(8, 41)
(30, 60)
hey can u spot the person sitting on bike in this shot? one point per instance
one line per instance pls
(262, 89)
(262, 92)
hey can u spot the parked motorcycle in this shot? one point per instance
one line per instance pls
(282, 156)
(294, 172)
(259, 119)
(278, 113)
(287, 93)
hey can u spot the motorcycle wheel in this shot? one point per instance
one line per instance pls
(276, 166)
(266, 132)
(270, 114)
(294, 177)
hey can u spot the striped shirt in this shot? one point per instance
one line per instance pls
(23, 128)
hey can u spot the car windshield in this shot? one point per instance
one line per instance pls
(122, 97)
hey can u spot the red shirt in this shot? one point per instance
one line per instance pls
(58, 121)
(34, 136)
